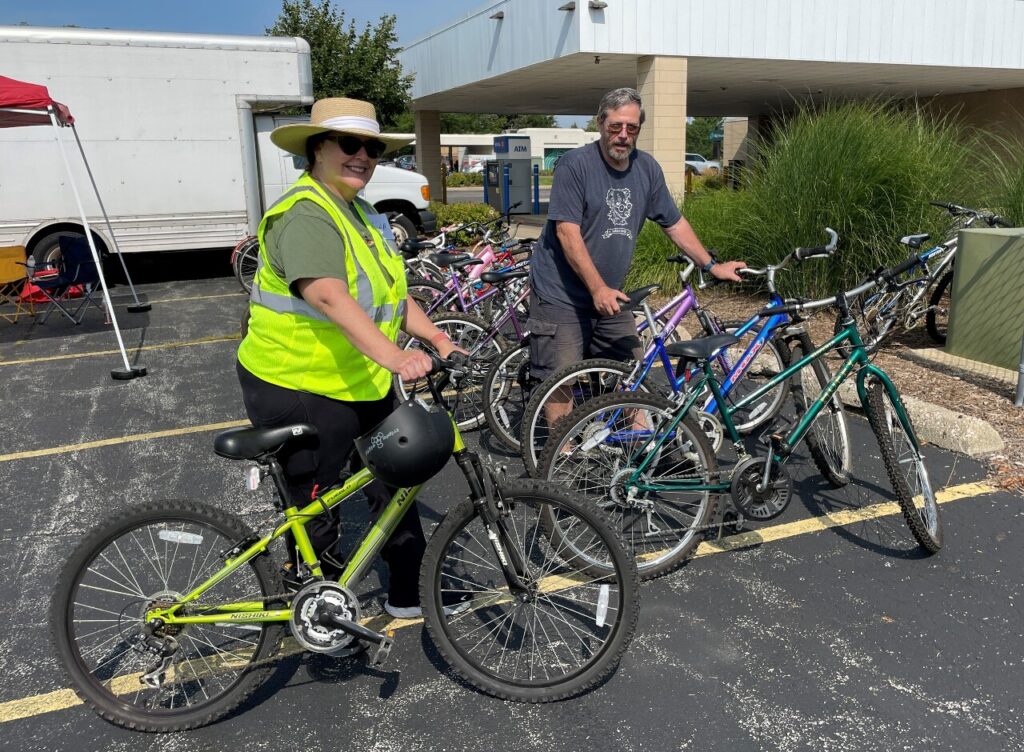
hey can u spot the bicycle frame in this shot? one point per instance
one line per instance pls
(783, 448)
(295, 522)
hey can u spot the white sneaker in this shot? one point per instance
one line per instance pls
(415, 612)
(403, 612)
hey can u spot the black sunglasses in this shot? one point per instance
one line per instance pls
(351, 145)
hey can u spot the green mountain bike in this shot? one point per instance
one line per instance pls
(169, 615)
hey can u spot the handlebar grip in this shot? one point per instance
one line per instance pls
(802, 254)
(997, 221)
(942, 205)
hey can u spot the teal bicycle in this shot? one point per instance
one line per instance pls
(653, 471)
(169, 615)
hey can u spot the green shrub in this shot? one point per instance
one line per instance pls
(459, 179)
(450, 214)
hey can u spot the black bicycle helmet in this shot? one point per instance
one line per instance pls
(410, 446)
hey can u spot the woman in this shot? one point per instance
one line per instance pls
(327, 304)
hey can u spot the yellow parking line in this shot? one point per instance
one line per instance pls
(91, 353)
(830, 520)
(62, 699)
(121, 440)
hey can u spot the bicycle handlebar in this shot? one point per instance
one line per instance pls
(992, 220)
(821, 251)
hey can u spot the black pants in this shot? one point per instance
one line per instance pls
(320, 462)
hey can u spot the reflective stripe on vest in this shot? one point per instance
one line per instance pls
(287, 303)
(291, 304)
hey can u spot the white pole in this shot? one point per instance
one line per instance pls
(129, 372)
(138, 307)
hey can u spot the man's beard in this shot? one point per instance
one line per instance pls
(610, 150)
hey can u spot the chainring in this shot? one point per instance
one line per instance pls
(309, 603)
(760, 505)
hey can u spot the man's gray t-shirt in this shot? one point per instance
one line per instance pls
(610, 207)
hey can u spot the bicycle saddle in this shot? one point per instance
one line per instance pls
(703, 348)
(448, 259)
(915, 241)
(495, 278)
(247, 443)
(637, 297)
(414, 246)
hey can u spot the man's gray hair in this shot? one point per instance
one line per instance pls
(617, 98)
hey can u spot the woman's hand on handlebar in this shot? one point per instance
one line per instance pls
(410, 364)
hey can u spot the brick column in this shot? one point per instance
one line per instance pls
(661, 82)
(428, 149)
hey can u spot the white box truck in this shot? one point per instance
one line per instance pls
(176, 131)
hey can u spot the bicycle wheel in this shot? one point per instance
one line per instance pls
(565, 633)
(596, 450)
(506, 391)
(471, 334)
(937, 318)
(157, 554)
(425, 291)
(905, 467)
(828, 441)
(245, 260)
(580, 382)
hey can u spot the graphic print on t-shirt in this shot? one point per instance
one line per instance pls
(619, 210)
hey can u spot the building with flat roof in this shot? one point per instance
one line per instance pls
(739, 58)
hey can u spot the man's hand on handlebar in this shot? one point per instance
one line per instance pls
(727, 270)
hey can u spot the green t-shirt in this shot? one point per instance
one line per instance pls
(304, 242)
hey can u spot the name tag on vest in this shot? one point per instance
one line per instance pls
(380, 221)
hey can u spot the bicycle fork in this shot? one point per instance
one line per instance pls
(481, 489)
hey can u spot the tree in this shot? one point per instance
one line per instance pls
(592, 125)
(346, 62)
(515, 122)
(698, 134)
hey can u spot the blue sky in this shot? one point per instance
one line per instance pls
(416, 18)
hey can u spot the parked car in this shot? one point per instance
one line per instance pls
(701, 165)
(406, 161)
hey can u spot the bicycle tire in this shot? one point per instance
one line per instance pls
(937, 318)
(662, 529)
(828, 440)
(92, 589)
(602, 375)
(245, 261)
(576, 622)
(424, 291)
(905, 467)
(505, 395)
(467, 331)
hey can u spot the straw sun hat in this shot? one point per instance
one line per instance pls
(338, 115)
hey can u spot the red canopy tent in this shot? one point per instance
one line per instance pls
(25, 104)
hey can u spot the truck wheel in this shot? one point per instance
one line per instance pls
(403, 228)
(47, 249)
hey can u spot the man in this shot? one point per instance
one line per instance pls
(602, 194)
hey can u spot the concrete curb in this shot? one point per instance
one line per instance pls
(940, 426)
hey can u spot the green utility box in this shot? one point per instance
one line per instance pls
(986, 315)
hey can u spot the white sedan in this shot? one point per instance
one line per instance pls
(700, 165)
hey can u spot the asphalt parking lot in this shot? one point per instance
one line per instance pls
(824, 629)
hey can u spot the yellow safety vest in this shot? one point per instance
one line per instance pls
(292, 344)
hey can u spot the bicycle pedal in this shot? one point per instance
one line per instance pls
(383, 649)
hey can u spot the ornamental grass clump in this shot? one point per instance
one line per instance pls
(866, 169)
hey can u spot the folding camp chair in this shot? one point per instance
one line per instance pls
(75, 267)
(12, 279)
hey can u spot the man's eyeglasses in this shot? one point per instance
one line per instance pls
(631, 128)
(352, 144)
